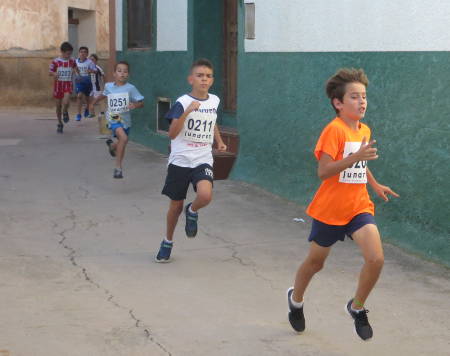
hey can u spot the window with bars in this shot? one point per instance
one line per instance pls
(139, 23)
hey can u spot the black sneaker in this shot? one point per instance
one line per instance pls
(66, 117)
(163, 255)
(191, 222)
(111, 150)
(59, 128)
(296, 317)
(362, 326)
(117, 173)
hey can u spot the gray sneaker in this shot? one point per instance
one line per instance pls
(362, 326)
(118, 173)
(191, 222)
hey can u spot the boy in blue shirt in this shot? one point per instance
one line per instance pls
(122, 97)
(192, 131)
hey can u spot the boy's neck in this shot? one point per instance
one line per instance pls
(119, 84)
(353, 124)
(199, 94)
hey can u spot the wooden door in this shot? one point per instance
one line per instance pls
(230, 30)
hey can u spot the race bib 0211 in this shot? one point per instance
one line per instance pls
(199, 127)
(118, 103)
(64, 74)
(357, 173)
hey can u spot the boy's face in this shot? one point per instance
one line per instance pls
(121, 73)
(66, 54)
(354, 102)
(93, 59)
(201, 79)
(83, 53)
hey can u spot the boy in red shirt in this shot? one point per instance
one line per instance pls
(341, 206)
(62, 69)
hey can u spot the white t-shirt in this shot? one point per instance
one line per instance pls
(193, 145)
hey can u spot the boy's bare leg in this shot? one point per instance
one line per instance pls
(122, 138)
(79, 102)
(175, 210)
(204, 195)
(66, 102)
(314, 263)
(369, 241)
(59, 111)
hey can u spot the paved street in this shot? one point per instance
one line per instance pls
(78, 277)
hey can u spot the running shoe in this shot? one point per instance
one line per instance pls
(78, 118)
(117, 173)
(191, 222)
(86, 112)
(59, 128)
(66, 117)
(165, 249)
(111, 149)
(296, 317)
(362, 326)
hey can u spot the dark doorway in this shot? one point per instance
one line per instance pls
(230, 30)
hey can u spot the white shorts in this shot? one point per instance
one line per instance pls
(96, 93)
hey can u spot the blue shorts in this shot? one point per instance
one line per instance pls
(83, 86)
(114, 127)
(326, 235)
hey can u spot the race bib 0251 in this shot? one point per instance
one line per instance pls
(199, 127)
(356, 174)
(118, 103)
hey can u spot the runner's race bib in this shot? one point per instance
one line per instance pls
(356, 174)
(64, 74)
(83, 69)
(199, 127)
(118, 103)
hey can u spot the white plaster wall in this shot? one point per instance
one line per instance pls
(350, 25)
(172, 26)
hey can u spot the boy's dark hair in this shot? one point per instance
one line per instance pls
(66, 46)
(202, 62)
(83, 47)
(122, 62)
(95, 56)
(335, 86)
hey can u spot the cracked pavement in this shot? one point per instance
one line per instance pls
(77, 271)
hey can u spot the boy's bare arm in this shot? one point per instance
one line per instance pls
(328, 167)
(221, 146)
(136, 105)
(177, 125)
(381, 190)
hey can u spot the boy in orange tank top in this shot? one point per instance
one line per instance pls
(342, 206)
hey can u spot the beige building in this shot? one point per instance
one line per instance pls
(31, 32)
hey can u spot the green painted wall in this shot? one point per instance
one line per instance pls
(282, 108)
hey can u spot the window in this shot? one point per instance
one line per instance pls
(139, 23)
(250, 21)
(162, 107)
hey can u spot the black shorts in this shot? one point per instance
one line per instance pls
(178, 179)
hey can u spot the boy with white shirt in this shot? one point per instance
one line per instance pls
(83, 84)
(192, 131)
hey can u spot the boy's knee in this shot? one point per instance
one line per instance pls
(376, 261)
(316, 264)
(177, 207)
(205, 197)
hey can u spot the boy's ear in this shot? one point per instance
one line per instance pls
(190, 79)
(337, 104)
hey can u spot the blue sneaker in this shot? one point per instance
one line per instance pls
(78, 118)
(86, 112)
(191, 222)
(165, 249)
(66, 117)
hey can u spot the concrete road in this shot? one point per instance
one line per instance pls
(78, 277)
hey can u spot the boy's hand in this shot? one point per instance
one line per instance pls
(221, 147)
(382, 191)
(193, 106)
(366, 152)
